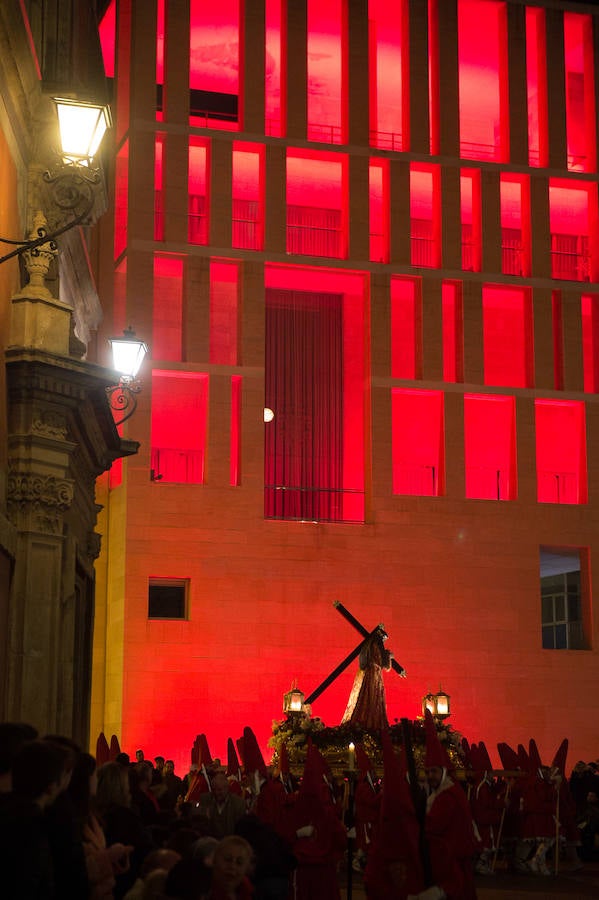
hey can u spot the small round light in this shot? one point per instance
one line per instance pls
(268, 414)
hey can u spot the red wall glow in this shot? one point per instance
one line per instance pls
(536, 84)
(248, 196)
(453, 331)
(235, 450)
(224, 277)
(507, 335)
(406, 327)
(327, 62)
(316, 203)
(158, 188)
(121, 199)
(214, 62)
(482, 44)
(470, 209)
(389, 86)
(561, 451)
(168, 308)
(353, 286)
(107, 30)
(418, 442)
(580, 92)
(179, 412)
(378, 182)
(425, 215)
(515, 224)
(275, 12)
(590, 341)
(490, 447)
(198, 191)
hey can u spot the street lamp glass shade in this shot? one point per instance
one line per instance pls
(442, 702)
(128, 353)
(82, 127)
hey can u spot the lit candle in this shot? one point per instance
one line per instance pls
(351, 757)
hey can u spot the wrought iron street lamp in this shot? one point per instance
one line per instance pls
(128, 353)
(73, 178)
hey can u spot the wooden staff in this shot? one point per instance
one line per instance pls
(557, 826)
(500, 830)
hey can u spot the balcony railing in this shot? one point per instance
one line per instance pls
(198, 219)
(246, 225)
(314, 232)
(559, 487)
(169, 464)
(309, 504)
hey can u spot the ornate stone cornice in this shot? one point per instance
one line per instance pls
(37, 502)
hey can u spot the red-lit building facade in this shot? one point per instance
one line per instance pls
(378, 221)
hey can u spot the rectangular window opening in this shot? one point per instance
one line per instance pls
(168, 598)
(564, 597)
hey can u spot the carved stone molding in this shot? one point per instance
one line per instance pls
(47, 491)
(49, 424)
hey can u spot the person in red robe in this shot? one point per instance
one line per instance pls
(449, 828)
(366, 705)
(317, 836)
(394, 867)
(367, 806)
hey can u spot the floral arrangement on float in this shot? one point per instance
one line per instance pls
(336, 742)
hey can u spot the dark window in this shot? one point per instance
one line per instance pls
(167, 599)
(561, 600)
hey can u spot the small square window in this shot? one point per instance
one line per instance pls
(167, 598)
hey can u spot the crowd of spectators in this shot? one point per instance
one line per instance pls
(71, 831)
(134, 829)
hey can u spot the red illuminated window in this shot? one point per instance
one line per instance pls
(314, 385)
(316, 204)
(470, 207)
(248, 196)
(274, 69)
(379, 210)
(224, 278)
(160, 17)
(406, 327)
(515, 224)
(433, 76)
(569, 218)
(561, 451)
(214, 62)
(418, 442)
(536, 83)
(389, 74)
(453, 331)
(121, 199)
(558, 340)
(507, 336)
(580, 92)
(425, 215)
(327, 62)
(198, 191)
(235, 452)
(158, 189)
(482, 41)
(490, 447)
(179, 412)
(590, 341)
(119, 303)
(168, 308)
(107, 31)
